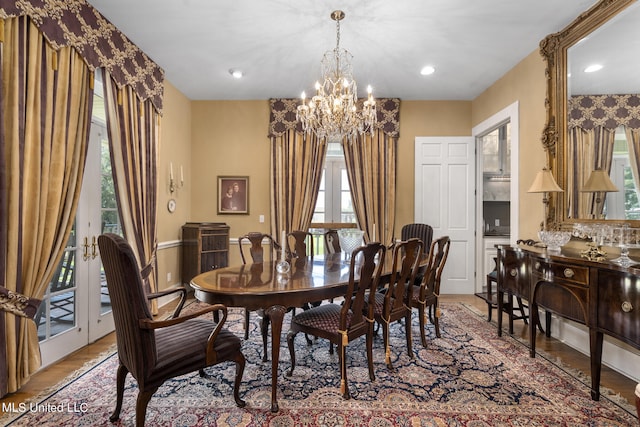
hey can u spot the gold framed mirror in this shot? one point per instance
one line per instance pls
(593, 119)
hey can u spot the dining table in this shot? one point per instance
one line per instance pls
(259, 286)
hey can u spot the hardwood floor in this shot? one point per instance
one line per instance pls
(50, 376)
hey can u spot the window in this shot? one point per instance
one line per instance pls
(334, 204)
(623, 204)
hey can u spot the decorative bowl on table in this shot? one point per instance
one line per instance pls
(553, 240)
(350, 240)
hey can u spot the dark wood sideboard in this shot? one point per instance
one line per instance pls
(603, 296)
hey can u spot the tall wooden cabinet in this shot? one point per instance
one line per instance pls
(205, 246)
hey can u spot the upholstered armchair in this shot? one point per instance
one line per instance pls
(156, 350)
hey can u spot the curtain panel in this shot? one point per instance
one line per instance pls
(588, 150)
(133, 127)
(45, 111)
(297, 162)
(593, 120)
(39, 184)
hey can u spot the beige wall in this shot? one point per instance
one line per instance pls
(222, 138)
(526, 84)
(175, 147)
(423, 118)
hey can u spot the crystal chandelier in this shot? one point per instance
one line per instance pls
(333, 111)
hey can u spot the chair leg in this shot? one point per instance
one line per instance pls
(141, 405)
(422, 314)
(385, 340)
(436, 322)
(240, 363)
(407, 321)
(490, 311)
(369, 339)
(344, 385)
(291, 336)
(246, 324)
(264, 329)
(120, 377)
(521, 309)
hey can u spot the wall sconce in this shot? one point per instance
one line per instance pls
(598, 183)
(173, 185)
(545, 183)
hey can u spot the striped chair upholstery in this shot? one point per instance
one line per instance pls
(156, 350)
(423, 232)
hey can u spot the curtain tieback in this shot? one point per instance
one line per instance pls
(18, 304)
(148, 268)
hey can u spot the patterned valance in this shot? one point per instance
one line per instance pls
(283, 116)
(608, 111)
(77, 24)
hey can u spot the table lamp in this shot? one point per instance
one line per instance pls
(598, 183)
(545, 183)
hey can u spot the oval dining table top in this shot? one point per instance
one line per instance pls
(258, 285)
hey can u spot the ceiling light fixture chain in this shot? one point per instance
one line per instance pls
(333, 111)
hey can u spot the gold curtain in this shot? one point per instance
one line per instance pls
(297, 164)
(588, 149)
(371, 168)
(134, 132)
(633, 142)
(297, 161)
(45, 106)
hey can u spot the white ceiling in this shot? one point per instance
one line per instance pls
(279, 43)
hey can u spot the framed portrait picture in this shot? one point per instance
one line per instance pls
(233, 195)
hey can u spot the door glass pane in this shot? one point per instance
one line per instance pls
(109, 216)
(56, 313)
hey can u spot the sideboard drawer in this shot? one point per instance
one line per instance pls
(559, 272)
(619, 305)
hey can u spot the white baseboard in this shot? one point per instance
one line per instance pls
(615, 354)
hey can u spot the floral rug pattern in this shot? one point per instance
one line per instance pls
(469, 377)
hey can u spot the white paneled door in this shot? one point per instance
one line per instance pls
(445, 199)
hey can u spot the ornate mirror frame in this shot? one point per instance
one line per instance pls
(553, 49)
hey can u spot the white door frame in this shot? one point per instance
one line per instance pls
(510, 114)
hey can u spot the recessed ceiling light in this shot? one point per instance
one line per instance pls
(237, 74)
(593, 68)
(427, 70)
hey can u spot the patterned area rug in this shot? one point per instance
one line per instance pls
(469, 377)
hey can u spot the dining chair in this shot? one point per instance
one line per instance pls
(154, 351)
(393, 302)
(258, 256)
(424, 232)
(426, 296)
(331, 242)
(342, 323)
(302, 244)
(257, 247)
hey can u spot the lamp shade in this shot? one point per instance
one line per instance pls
(599, 181)
(545, 183)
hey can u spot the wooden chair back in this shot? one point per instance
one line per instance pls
(257, 247)
(331, 242)
(302, 244)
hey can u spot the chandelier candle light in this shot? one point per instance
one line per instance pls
(333, 112)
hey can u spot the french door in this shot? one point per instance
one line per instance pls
(76, 309)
